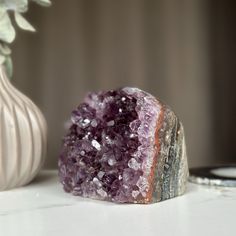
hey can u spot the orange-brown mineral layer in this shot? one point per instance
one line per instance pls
(148, 198)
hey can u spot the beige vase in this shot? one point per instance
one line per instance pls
(23, 136)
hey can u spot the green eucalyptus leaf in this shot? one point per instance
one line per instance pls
(45, 3)
(4, 49)
(23, 23)
(8, 66)
(15, 5)
(2, 59)
(7, 32)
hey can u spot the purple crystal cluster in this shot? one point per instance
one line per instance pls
(97, 157)
(124, 146)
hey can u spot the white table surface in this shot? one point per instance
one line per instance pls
(42, 208)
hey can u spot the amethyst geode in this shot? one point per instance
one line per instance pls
(124, 146)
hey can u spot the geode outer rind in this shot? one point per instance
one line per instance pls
(124, 146)
(171, 171)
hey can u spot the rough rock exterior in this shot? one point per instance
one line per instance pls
(124, 146)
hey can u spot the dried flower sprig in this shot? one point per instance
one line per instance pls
(7, 31)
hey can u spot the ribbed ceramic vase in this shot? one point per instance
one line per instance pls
(23, 134)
